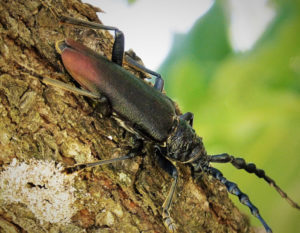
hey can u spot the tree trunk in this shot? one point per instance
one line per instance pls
(41, 124)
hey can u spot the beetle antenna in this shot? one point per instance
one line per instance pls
(240, 163)
(234, 189)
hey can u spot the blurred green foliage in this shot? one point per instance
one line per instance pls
(131, 1)
(246, 104)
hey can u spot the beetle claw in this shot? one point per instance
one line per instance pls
(169, 222)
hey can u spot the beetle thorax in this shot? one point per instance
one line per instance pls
(183, 145)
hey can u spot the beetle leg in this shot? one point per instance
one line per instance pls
(240, 163)
(167, 166)
(118, 46)
(102, 100)
(234, 189)
(78, 167)
(188, 117)
(70, 88)
(62, 85)
(159, 82)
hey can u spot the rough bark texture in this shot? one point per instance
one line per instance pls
(45, 123)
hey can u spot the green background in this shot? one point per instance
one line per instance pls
(246, 104)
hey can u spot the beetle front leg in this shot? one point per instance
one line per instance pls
(188, 116)
(167, 166)
(168, 221)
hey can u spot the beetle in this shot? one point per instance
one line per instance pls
(149, 114)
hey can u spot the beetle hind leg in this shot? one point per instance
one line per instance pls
(61, 85)
(118, 46)
(240, 163)
(234, 189)
(67, 87)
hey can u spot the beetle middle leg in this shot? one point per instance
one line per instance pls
(159, 82)
(167, 166)
(78, 167)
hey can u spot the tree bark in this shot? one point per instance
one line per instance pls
(48, 124)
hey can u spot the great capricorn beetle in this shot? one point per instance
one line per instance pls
(149, 114)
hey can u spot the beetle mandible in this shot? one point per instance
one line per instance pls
(149, 114)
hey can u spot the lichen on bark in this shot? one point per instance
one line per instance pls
(45, 123)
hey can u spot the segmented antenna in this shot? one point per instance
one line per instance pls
(240, 163)
(234, 189)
